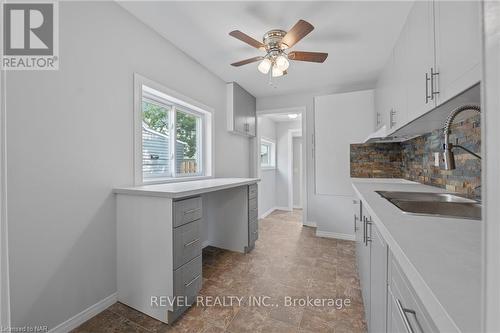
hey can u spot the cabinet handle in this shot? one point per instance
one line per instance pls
(191, 211)
(368, 238)
(355, 224)
(427, 96)
(192, 242)
(364, 230)
(393, 115)
(191, 282)
(402, 312)
(432, 83)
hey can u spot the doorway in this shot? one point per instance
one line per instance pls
(279, 156)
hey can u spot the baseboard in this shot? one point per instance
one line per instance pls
(310, 224)
(297, 207)
(335, 235)
(85, 315)
(282, 208)
(205, 244)
(266, 214)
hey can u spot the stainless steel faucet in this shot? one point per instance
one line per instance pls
(449, 157)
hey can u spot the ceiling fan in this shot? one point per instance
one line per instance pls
(276, 43)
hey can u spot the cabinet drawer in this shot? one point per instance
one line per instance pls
(187, 210)
(411, 307)
(187, 242)
(253, 232)
(188, 279)
(252, 191)
(252, 203)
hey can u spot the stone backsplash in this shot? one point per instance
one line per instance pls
(414, 159)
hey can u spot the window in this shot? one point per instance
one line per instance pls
(175, 137)
(267, 154)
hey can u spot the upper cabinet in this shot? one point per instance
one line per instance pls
(458, 46)
(436, 57)
(241, 110)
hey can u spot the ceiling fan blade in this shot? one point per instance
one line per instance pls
(307, 56)
(246, 61)
(298, 31)
(247, 39)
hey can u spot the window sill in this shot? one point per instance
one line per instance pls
(175, 180)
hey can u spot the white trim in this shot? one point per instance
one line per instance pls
(297, 207)
(311, 224)
(4, 241)
(335, 235)
(490, 121)
(85, 315)
(292, 133)
(266, 214)
(286, 209)
(208, 157)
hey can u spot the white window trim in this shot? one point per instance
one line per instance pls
(183, 101)
(273, 153)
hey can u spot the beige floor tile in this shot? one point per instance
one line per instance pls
(288, 260)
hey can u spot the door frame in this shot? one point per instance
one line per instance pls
(4, 264)
(490, 121)
(292, 133)
(254, 148)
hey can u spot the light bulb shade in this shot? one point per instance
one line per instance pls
(276, 72)
(282, 63)
(264, 66)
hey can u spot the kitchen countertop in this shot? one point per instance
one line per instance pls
(187, 188)
(441, 257)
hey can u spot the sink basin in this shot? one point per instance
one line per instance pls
(434, 204)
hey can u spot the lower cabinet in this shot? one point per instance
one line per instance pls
(378, 281)
(372, 264)
(390, 302)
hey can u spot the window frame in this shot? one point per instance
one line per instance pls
(272, 153)
(146, 88)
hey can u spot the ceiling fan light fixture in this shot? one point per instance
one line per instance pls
(277, 72)
(282, 62)
(264, 66)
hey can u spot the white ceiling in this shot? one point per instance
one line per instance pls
(358, 35)
(280, 117)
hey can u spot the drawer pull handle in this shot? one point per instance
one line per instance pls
(191, 282)
(192, 242)
(402, 312)
(191, 211)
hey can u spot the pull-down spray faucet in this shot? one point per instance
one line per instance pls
(449, 157)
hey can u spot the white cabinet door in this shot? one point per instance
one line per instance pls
(378, 281)
(339, 120)
(383, 96)
(420, 50)
(399, 88)
(458, 46)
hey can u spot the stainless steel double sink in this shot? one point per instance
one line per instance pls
(434, 204)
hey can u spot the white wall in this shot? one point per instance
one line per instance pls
(320, 208)
(266, 128)
(69, 142)
(283, 175)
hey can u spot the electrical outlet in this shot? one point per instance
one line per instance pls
(436, 159)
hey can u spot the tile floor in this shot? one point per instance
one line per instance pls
(288, 260)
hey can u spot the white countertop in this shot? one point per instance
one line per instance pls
(440, 256)
(184, 189)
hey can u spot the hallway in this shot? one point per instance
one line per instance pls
(288, 260)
